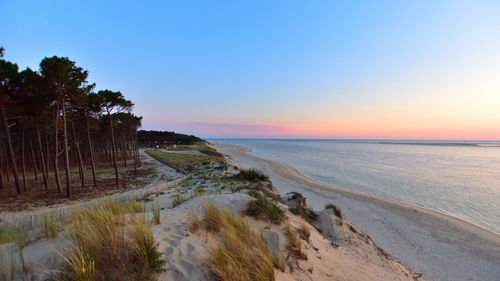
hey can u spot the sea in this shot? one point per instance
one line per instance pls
(461, 178)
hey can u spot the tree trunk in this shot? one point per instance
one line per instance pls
(47, 155)
(10, 152)
(92, 163)
(114, 148)
(1, 167)
(33, 158)
(135, 156)
(66, 152)
(56, 150)
(6, 165)
(23, 162)
(124, 153)
(79, 154)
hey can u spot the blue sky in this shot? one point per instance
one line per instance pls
(399, 69)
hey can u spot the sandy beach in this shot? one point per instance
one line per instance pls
(440, 246)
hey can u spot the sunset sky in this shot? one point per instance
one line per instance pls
(328, 69)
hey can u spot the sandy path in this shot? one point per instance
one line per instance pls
(441, 246)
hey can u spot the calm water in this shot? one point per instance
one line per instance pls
(463, 180)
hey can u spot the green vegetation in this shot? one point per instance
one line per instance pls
(336, 210)
(261, 208)
(18, 235)
(182, 162)
(108, 246)
(301, 208)
(251, 175)
(240, 254)
(150, 138)
(178, 199)
(80, 128)
(200, 146)
(307, 213)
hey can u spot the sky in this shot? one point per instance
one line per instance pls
(280, 69)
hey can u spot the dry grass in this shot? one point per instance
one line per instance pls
(178, 199)
(155, 210)
(108, 245)
(194, 222)
(50, 227)
(8, 266)
(305, 233)
(294, 246)
(278, 260)
(240, 254)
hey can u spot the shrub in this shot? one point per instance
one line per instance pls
(241, 254)
(251, 175)
(261, 208)
(306, 213)
(336, 210)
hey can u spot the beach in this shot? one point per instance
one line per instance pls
(439, 245)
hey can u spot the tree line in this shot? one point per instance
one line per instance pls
(152, 138)
(52, 120)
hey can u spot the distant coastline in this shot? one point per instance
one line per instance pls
(478, 143)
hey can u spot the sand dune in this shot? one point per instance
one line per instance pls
(441, 246)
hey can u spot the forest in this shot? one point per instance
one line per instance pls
(57, 131)
(151, 138)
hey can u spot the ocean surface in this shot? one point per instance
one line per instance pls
(458, 177)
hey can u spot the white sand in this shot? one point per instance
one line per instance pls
(441, 246)
(354, 258)
(187, 253)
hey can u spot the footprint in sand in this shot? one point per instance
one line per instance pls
(171, 242)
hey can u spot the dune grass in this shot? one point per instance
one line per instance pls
(278, 260)
(155, 210)
(194, 222)
(17, 234)
(111, 242)
(305, 233)
(294, 245)
(240, 254)
(178, 199)
(8, 266)
(262, 208)
(251, 175)
(50, 226)
(182, 162)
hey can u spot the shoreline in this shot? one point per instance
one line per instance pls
(441, 245)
